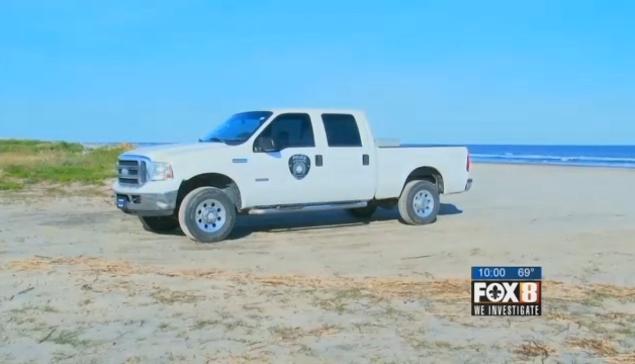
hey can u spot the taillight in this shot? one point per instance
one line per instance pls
(468, 164)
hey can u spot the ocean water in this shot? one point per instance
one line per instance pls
(619, 156)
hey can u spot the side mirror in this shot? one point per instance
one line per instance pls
(266, 144)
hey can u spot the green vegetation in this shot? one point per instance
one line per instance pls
(24, 162)
(71, 338)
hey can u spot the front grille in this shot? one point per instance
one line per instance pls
(131, 171)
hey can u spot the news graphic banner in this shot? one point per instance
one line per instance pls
(506, 291)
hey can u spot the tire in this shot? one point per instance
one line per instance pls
(425, 209)
(159, 224)
(364, 212)
(207, 215)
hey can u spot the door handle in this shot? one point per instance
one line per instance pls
(366, 159)
(319, 161)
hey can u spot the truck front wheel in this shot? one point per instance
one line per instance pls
(419, 203)
(207, 215)
(159, 224)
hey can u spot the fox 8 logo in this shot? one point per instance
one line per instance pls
(506, 292)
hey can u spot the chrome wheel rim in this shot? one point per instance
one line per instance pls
(423, 203)
(210, 215)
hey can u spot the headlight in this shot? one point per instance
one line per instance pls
(159, 171)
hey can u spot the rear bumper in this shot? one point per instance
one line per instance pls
(147, 204)
(468, 185)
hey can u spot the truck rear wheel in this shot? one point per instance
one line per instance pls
(159, 224)
(207, 215)
(419, 203)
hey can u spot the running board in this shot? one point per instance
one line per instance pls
(310, 207)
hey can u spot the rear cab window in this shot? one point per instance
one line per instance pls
(341, 130)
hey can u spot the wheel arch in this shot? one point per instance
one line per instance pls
(218, 180)
(426, 173)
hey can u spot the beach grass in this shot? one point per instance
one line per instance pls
(29, 162)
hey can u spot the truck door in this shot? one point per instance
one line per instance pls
(348, 160)
(284, 170)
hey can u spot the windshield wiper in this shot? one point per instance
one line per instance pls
(212, 140)
(233, 141)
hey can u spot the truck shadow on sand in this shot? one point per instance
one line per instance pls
(281, 222)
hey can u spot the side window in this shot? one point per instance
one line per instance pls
(289, 131)
(341, 130)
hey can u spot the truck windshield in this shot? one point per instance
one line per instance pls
(238, 128)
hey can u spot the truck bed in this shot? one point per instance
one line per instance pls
(396, 162)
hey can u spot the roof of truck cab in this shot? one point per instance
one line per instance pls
(325, 111)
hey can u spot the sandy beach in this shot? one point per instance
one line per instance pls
(82, 282)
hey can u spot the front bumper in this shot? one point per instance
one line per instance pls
(146, 204)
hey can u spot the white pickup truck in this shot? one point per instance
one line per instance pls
(260, 162)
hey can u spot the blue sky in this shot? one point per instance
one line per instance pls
(532, 72)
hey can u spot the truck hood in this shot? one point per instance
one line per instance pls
(166, 153)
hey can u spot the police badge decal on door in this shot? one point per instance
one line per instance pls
(299, 165)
